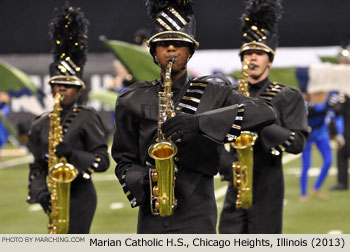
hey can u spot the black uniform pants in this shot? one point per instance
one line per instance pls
(343, 166)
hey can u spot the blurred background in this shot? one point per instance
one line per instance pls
(308, 30)
(310, 33)
(304, 23)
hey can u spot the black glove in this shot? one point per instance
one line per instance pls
(64, 150)
(44, 200)
(145, 181)
(181, 127)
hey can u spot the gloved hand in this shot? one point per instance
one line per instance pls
(340, 141)
(181, 127)
(64, 150)
(44, 200)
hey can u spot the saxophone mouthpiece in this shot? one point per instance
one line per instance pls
(171, 59)
(62, 98)
(252, 66)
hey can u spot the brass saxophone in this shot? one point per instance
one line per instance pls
(163, 200)
(243, 169)
(60, 175)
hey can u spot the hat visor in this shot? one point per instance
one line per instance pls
(171, 36)
(256, 46)
(67, 80)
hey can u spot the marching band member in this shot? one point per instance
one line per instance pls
(207, 114)
(343, 153)
(287, 134)
(83, 142)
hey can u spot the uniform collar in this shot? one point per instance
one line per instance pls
(179, 83)
(66, 108)
(259, 84)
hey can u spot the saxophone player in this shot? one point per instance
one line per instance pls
(287, 134)
(83, 136)
(208, 114)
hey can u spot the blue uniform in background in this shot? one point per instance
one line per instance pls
(5, 110)
(319, 115)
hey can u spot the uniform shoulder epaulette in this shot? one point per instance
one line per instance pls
(86, 107)
(137, 85)
(280, 84)
(213, 78)
(191, 99)
(37, 118)
(272, 90)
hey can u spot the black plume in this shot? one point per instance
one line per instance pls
(263, 13)
(156, 6)
(68, 33)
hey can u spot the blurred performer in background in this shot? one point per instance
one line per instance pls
(207, 114)
(122, 77)
(4, 112)
(343, 153)
(320, 113)
(287, 134)
(83, 142)
(141, 36)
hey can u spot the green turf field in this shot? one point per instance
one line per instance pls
(114, 215)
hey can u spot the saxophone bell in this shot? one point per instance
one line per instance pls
(63, 172)
(243, 169)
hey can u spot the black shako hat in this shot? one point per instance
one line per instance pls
(68, 34)
(260, 26)
(171, 20)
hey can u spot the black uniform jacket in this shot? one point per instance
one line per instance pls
(345, 112)
(288, 133)
(85, 134)
(221, 116)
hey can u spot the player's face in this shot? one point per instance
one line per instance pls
(70, 92)
(179, 50)
(261, 65)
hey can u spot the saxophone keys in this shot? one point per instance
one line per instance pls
(157, 206)
(238, 201)
(237, 183)
(154, 176)
(236, 167)
(155, 191)
(53, 197)
(238, 204)
(175, 204)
